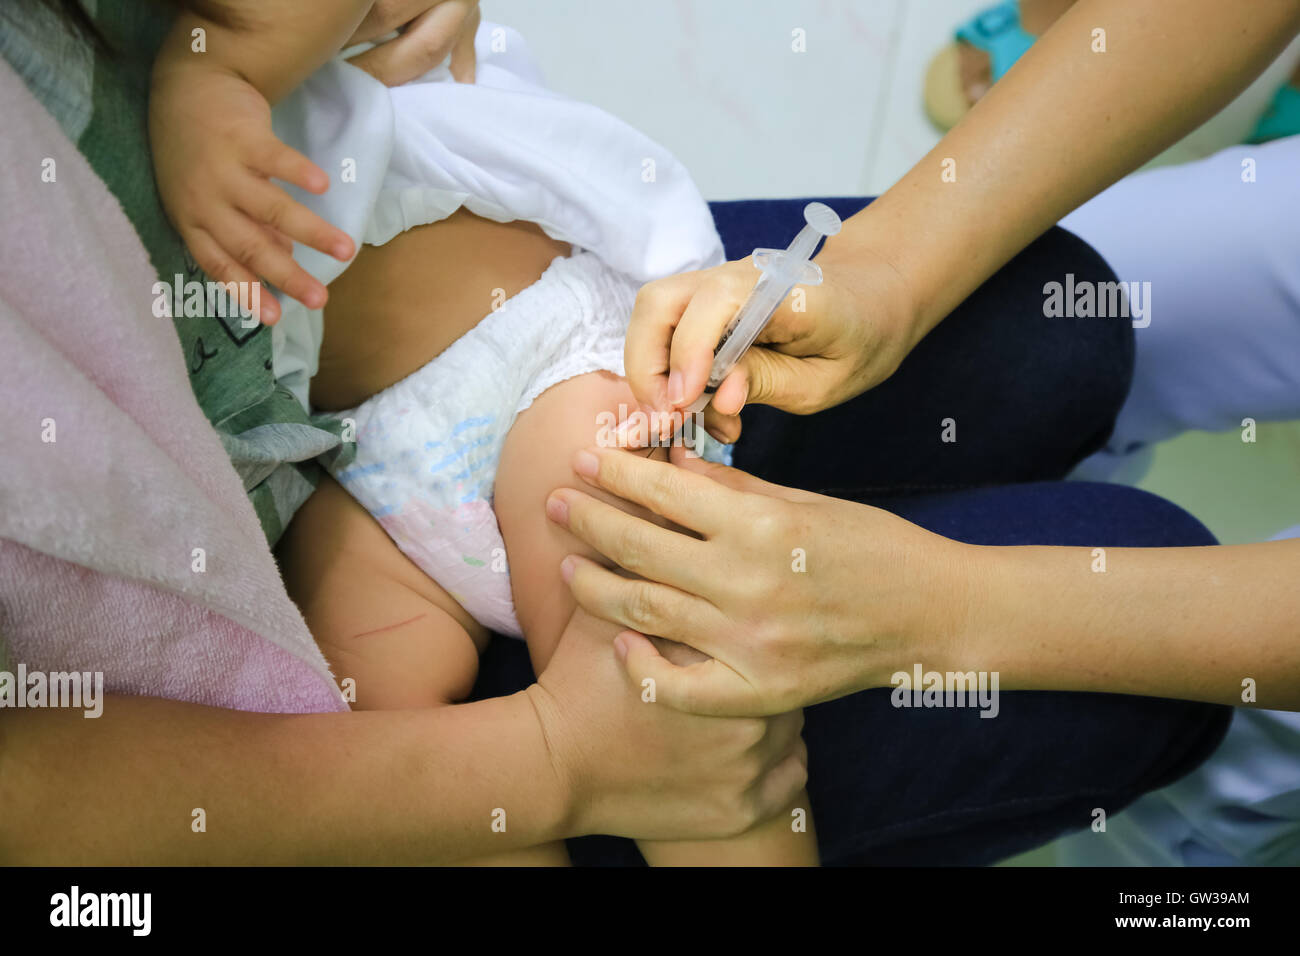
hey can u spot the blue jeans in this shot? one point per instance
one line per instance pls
(1031, 397)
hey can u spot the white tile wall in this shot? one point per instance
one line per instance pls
(718, 83)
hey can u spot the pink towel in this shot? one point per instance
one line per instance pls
(98, 528)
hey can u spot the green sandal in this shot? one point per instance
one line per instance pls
(1281, 119)
(996, 31)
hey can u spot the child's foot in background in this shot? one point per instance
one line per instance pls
(988, 45)
(985, 48)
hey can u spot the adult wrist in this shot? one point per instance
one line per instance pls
(976, 612)
(871, 237)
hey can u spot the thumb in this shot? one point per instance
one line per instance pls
(422, 45)
(784, 381)
(708, 688)
(462, 54)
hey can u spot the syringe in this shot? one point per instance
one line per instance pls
(783, 269)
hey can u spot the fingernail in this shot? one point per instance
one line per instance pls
(557, 509)
(620, 647)
(567, 567)
(676, 388)
(343, 251)
(586, 464)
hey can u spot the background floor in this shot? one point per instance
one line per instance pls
(719, 84)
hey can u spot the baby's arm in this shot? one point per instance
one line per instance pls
(272, 44)
(214, 153)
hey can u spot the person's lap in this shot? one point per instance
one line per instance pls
(1030, 397)
(946, 786)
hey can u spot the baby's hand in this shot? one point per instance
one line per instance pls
(214, 158)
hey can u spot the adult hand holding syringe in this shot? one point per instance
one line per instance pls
(818, 349)
(782, 270)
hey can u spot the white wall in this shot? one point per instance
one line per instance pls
(716, 81)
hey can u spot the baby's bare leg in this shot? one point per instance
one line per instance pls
(535, 461)
(391, 635)
(788, 839)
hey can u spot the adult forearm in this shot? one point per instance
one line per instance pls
(1191, 623)
(394, 787)
(1062, 125)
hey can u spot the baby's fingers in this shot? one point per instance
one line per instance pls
(280, 239)
(222, 267)
(253, 246)
(278, 161)
(269, 204)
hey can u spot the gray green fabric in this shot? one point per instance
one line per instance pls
(100, 97)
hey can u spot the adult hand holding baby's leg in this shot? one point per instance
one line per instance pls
(638, 768)
(799, 598)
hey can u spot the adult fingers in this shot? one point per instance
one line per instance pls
(710, 687)
(385, 16)
(633, 543)
(696, 336)
(419, 48)
(722, 414)
(690, 500)
(733, 478)
(658, 308)
(462, 53)
(780, 785)
(644, 606)
(789, 382)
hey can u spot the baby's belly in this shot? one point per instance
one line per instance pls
(401, 304)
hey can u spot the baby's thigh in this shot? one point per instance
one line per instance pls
(381, 623)
(422, 659)
(537, 459)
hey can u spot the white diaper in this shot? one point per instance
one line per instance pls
(428, 446)
(504, 148)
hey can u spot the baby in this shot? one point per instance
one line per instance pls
(472, 347)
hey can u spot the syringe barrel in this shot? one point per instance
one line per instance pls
(782, 271)
(768, 293)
